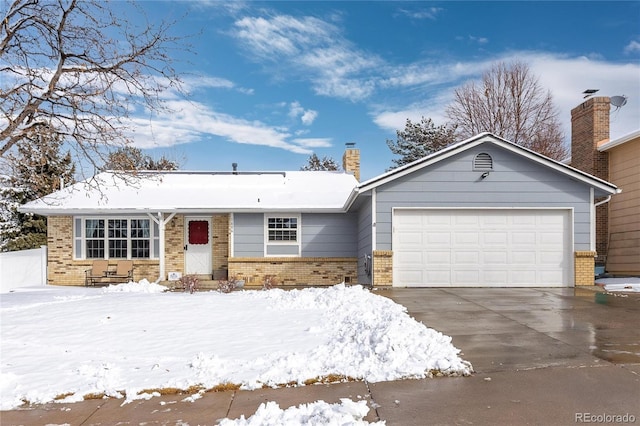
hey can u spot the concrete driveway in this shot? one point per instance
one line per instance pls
(542, 356)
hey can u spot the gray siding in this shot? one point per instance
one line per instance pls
(248, 235)
(323, 235)
(329, 235)
(514, 182)
(364, 239)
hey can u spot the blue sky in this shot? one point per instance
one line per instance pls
(271, 82)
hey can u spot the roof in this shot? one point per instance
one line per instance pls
(193, 192)
(482, 138)
(619, 141)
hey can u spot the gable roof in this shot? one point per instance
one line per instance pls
(482, 138)
(193, 192)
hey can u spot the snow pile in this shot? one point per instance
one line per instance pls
(347, 413)
(65, 343)
(143, 286)
(630, 284)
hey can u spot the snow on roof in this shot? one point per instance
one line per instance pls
(608, 144)
(201, 192)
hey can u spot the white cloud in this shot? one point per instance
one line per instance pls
(307, 116)
(632, 47)
(428, 13)
(314, 49)
(565, 77)
(191, 122)
(313, 142)
(194, 83)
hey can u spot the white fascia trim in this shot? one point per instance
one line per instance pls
(374, 239)
(619, 141)
(482, 138)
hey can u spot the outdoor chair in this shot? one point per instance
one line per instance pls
(124, 270)
(98, 271)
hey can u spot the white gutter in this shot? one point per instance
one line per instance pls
(606, 200)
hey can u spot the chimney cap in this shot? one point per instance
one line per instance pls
(589, 92)
(350, 144)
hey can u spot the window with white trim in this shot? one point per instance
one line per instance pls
(282, 235)
(282, 229)
(115, 238)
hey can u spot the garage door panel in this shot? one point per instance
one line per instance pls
(466, 257)
(464, 277)
(434, 257)
(482, 247)
(523, 238)
(494, 238)
(465, 238)
(440, 278)
(495, 257)
(435, 238)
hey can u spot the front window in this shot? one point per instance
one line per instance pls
(115, 238)
(282, 228)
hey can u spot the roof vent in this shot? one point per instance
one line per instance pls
(482, 162)
(235, 168)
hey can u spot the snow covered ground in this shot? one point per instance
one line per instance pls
(127, 341)
(630, 284)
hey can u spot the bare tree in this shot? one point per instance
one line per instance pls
(509, 102)
(81, 70)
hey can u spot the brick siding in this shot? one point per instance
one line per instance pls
(382, 268)
(590, 125)
(351, 162)
(584, 268)
(295, 271)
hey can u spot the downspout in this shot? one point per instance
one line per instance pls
(606, 200)
(162, 222)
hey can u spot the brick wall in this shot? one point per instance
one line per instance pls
(584, 270)
(382, 268)
(590, 125)
(221, 241)
(174, 243)
(351, 162)
(293, 271)
(62, 269)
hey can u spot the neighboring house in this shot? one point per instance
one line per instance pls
(617, 161)
(483, 212)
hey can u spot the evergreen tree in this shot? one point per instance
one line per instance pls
(418, 140)
(315, 163)
(35, 170)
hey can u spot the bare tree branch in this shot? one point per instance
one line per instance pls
(510, 103)
(83, 70)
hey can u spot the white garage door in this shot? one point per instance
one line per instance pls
(481, 248)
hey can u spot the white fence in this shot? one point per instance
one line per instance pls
(23, 268)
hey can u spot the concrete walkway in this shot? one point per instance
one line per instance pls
(542, 356)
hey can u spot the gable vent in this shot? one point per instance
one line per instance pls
(483, 161)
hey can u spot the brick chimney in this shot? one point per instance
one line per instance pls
(351, 160)
(590, 125)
